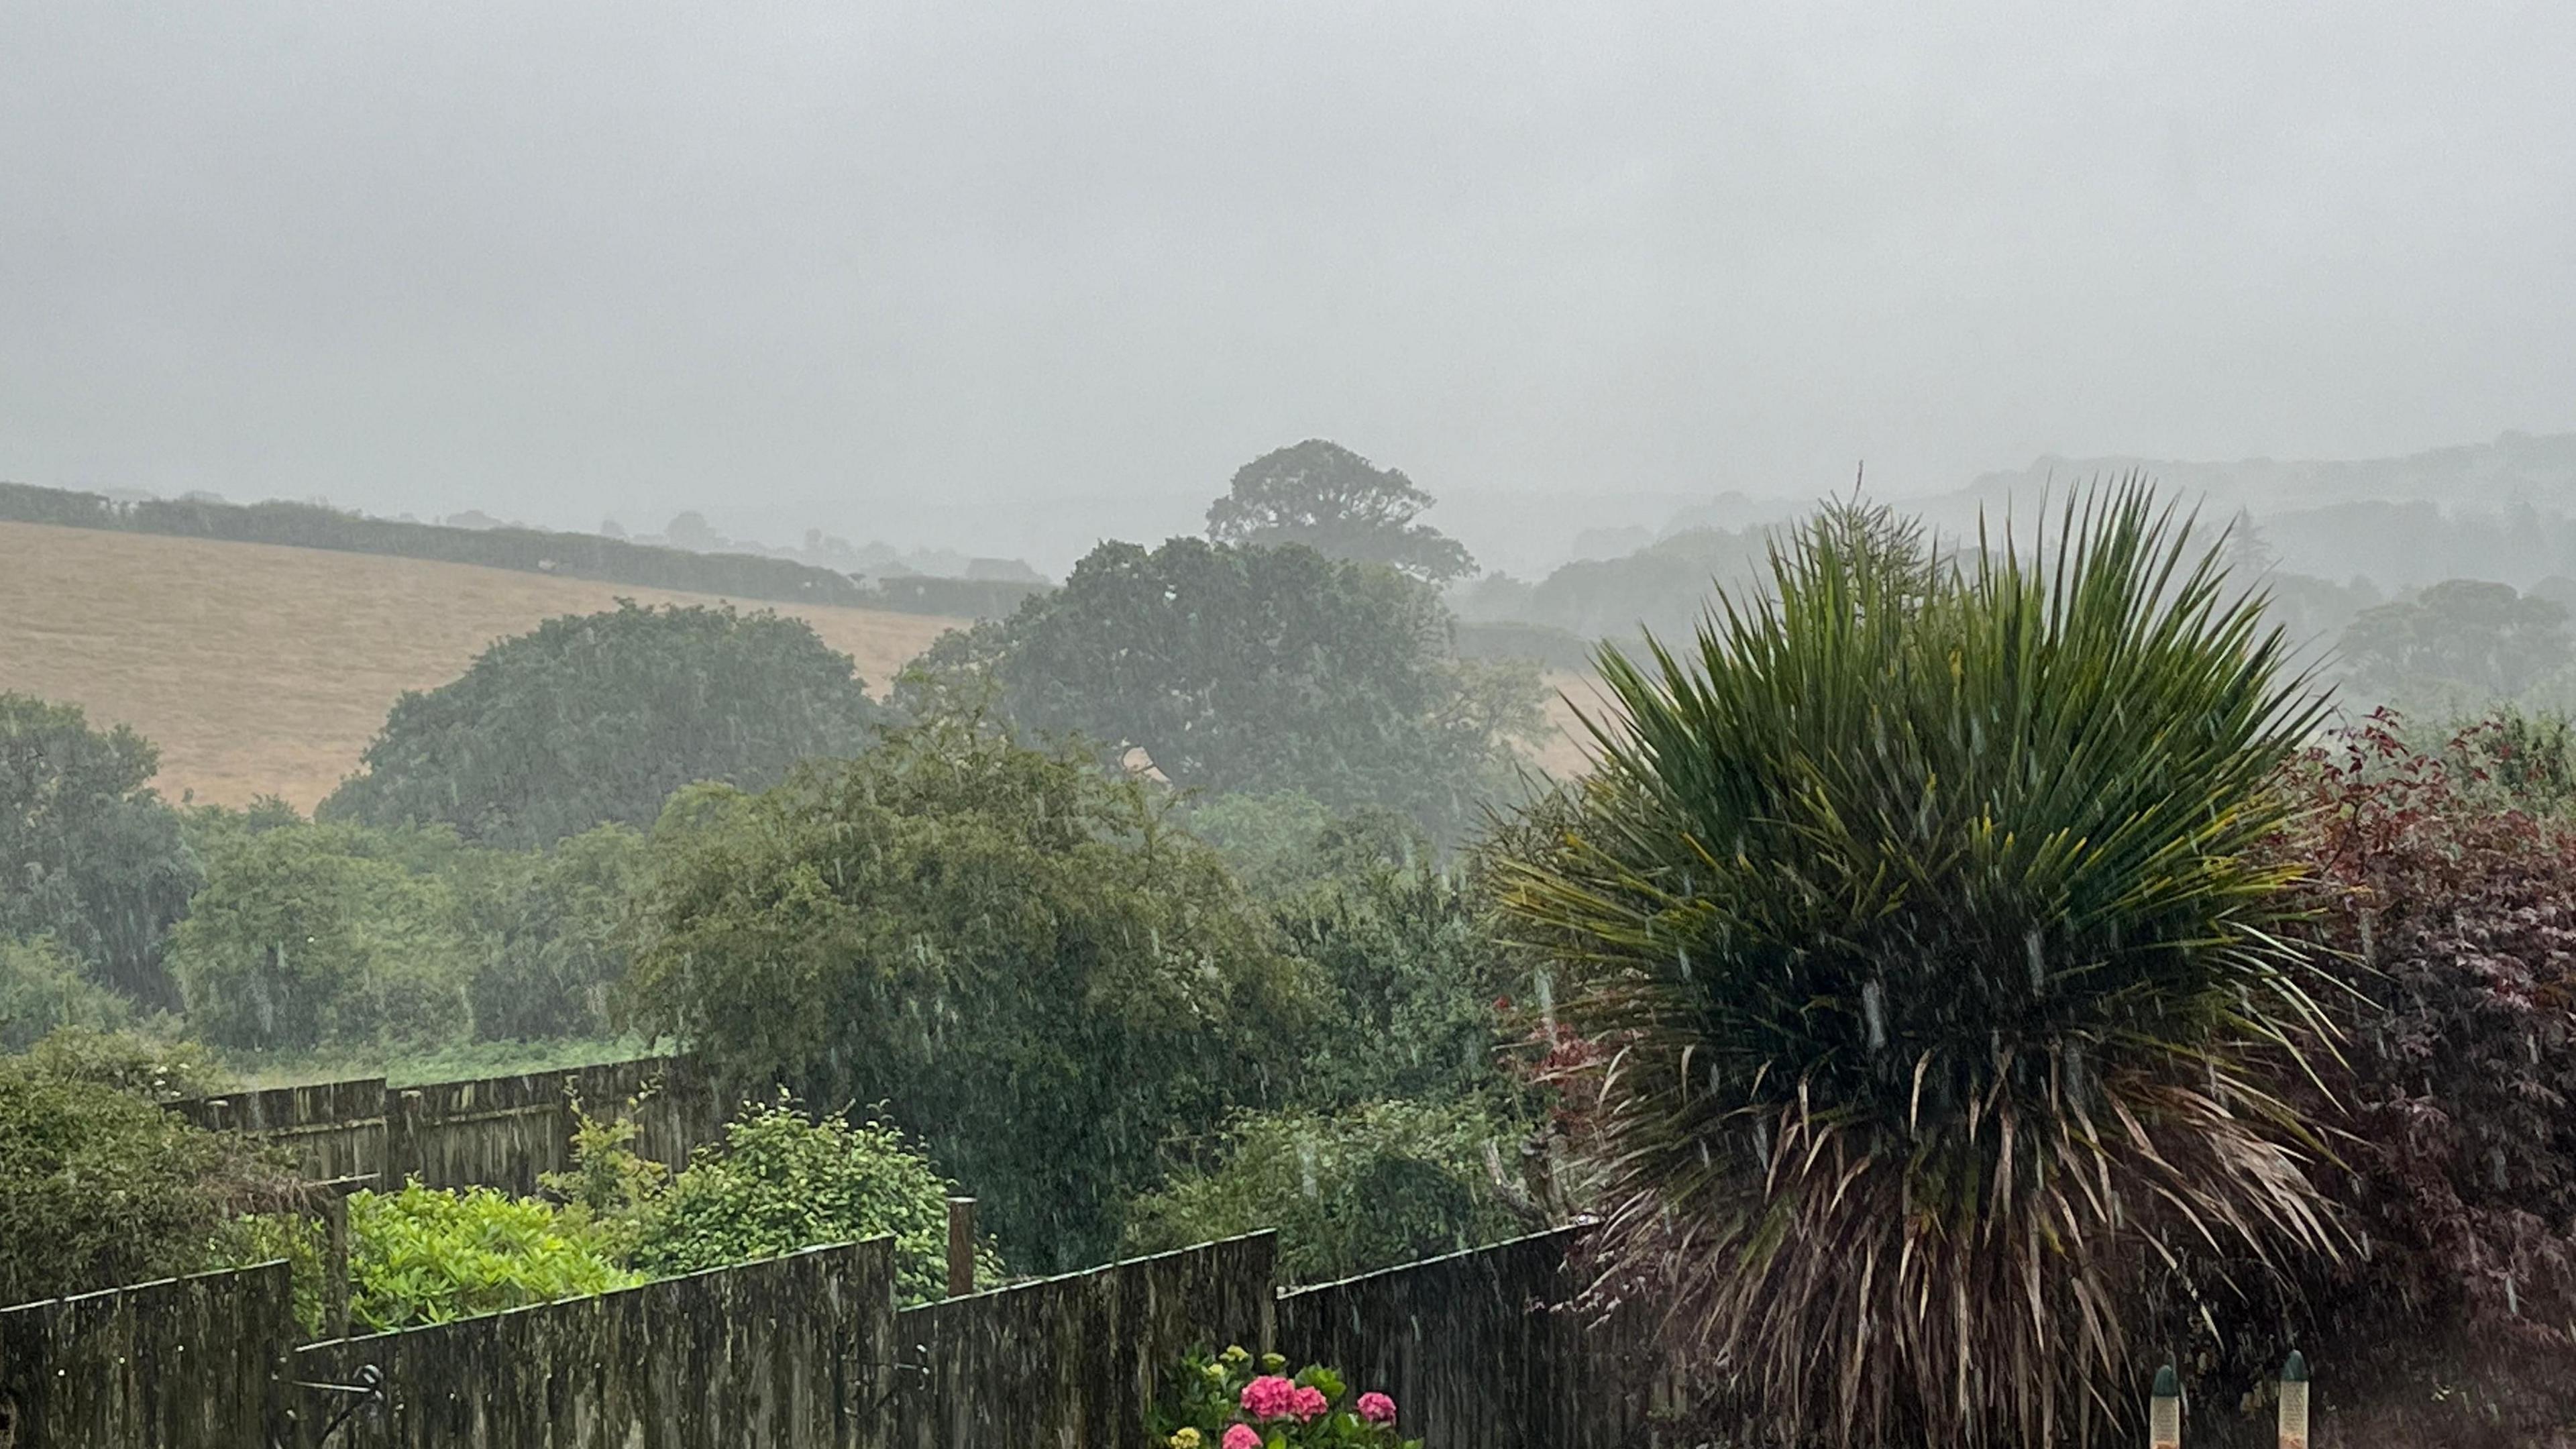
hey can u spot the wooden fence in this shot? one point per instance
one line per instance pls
(1480, 1348)
(498, 1132)
(792, 1353)
(185, 1363)
(809, 1352)
(1077, 1360)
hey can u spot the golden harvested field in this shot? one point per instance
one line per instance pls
(1563, 749)
(265, 670)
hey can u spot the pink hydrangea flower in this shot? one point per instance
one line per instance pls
(1309, 1405)
(1242, 1436)
(1378, 1409)
(1270, 1397)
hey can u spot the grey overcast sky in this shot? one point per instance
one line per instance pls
(1014, 276)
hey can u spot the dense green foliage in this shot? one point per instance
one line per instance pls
(345, 938)
(1366, 1188)
(1924, 909)
(1414, 984)
(425, 1256)
(1011, 949)
(596, 719)
(784, 1180)
(155, 1069)
(1334, 501)
(89, 855)
(2457, 648)
(42, 988)
(298, 1239)
(548, 933)
(98, 1186)
(307, 934)
(1261, 670)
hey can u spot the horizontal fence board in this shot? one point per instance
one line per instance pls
(1075, 1361)
(334, 1129)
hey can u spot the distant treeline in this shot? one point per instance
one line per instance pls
(529, 550)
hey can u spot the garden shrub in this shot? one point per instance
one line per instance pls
(298, 1239)
(1921, 921)
(1386, 1183)
(2449, 911)
(423, 1255)
(783, 1180)
(1231, 1401)
(147, 1066)
(42, 987)
(100, 1187)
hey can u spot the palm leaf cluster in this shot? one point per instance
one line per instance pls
(1920, 916)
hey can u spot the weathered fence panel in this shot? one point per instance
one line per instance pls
(335, 1129)
(1074, 1362)
(504, 1132)
(792, 1353)
(1478, 1349)
(498, 1132)
(185, 1363)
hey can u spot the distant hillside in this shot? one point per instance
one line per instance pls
(2504, 511)
(261, 669)
(562, 555)
(2517, 469)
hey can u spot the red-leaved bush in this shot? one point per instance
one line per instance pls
(2448, 916)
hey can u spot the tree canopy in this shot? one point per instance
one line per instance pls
(1237, 668)
(2459, 645)
(89, 854)
(1011, 949)
(597, 718)
(1339, 504)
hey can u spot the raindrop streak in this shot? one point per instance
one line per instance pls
(1873, 1006)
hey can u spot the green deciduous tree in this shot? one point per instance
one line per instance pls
(310, 934)
(88, 853)
(43, 988)
(1349, 1192)
(548, 932)
(1011, 949)
(1927, 913)
(2457, 647)
(598, 718)
(1260, 670)
(1334, 501)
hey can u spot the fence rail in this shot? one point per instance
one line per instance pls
(497, 1132)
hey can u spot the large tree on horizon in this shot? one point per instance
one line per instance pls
(1339, 504)
(90, 854)
(596, 718)
(1247, 669)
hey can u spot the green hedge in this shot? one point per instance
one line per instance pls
(529, 550)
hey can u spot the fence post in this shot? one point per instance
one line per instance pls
(2294, 1402)
(961, 1246)
(2164, 1411)
(335, 1268)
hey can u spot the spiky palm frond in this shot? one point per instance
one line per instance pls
(1922, 907)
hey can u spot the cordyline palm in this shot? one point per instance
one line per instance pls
(1920, 915)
